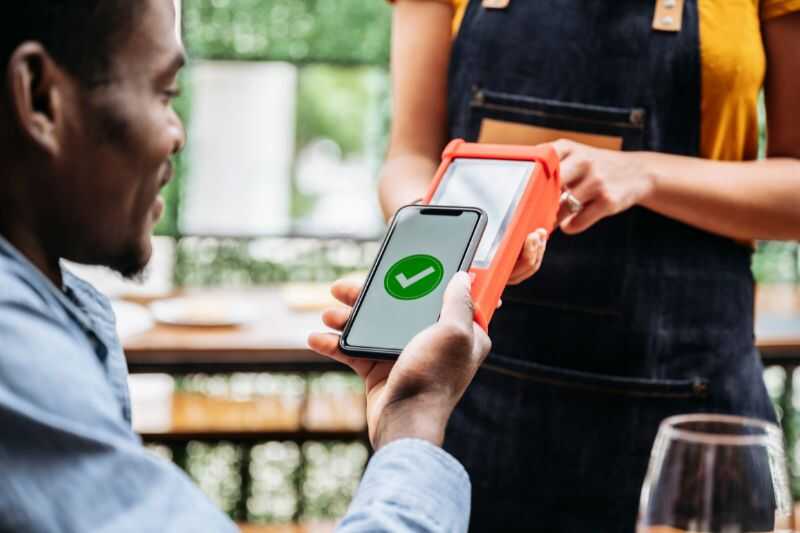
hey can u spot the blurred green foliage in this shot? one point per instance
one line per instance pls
(275, 469)
(330, 478)
(346, 105)
(215, 262)
(332, 103)
(777, 262)
(273, 482)
(216, 470)
(298, 31)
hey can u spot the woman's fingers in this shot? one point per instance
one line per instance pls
(520, 277)
(531, 257)
(564, 212)
(563, 148)
(346, 291)
(585, 219)
(541, 249)
(573, 171)
(527, 256)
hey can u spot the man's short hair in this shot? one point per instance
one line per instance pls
(81, 35)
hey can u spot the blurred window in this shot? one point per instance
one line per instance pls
(287, 110)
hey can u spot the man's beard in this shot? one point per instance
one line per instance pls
(130, 263)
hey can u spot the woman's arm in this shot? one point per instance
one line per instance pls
(745, 200)
(421, 42)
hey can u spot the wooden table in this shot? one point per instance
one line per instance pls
(289, 528)
(778, 323)
(277, 341)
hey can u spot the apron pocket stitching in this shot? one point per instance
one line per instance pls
(600, 383)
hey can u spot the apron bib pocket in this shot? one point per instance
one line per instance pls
(584, 272)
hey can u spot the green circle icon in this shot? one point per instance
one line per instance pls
(414, 277)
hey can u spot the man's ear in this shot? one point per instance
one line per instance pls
(35, 95)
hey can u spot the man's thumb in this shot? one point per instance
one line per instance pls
(457, 305)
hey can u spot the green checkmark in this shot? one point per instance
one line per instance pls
(414, 277)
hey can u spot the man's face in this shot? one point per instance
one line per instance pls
(117, 144)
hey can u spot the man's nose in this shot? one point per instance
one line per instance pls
(180, 136)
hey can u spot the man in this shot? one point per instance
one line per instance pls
(86, 136)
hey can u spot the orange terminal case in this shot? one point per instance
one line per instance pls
(537, 208)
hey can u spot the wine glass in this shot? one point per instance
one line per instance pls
(716, 474)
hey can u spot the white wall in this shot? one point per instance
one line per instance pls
(240, 148)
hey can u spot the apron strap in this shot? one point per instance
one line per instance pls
(668, 15)
(496, 4)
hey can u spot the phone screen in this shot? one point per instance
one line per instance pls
(494, 185)
(404, 295)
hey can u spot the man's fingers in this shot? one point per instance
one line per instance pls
(327, 344)
(346, 291)
(457, 306)
(336, 318)
(481, 343)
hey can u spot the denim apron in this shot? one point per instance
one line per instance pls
(639, 318)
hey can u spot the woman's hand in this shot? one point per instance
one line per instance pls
(415, 395)
(606, 182)
(530, 259)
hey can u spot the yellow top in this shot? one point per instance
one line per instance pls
(733, 67)
(460, 6)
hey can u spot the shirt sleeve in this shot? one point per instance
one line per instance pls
(69, 460)
(459, 7)
(410, 486)
(454, 3)
(771, 9)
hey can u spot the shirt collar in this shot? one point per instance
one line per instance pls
(43, 284)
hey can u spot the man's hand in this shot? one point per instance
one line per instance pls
(606, 182)
(415, 395)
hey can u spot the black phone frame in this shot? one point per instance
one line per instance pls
(389, 354)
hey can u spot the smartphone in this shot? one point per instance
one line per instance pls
(423, 249)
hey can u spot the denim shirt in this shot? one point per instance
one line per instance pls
(70, 461)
